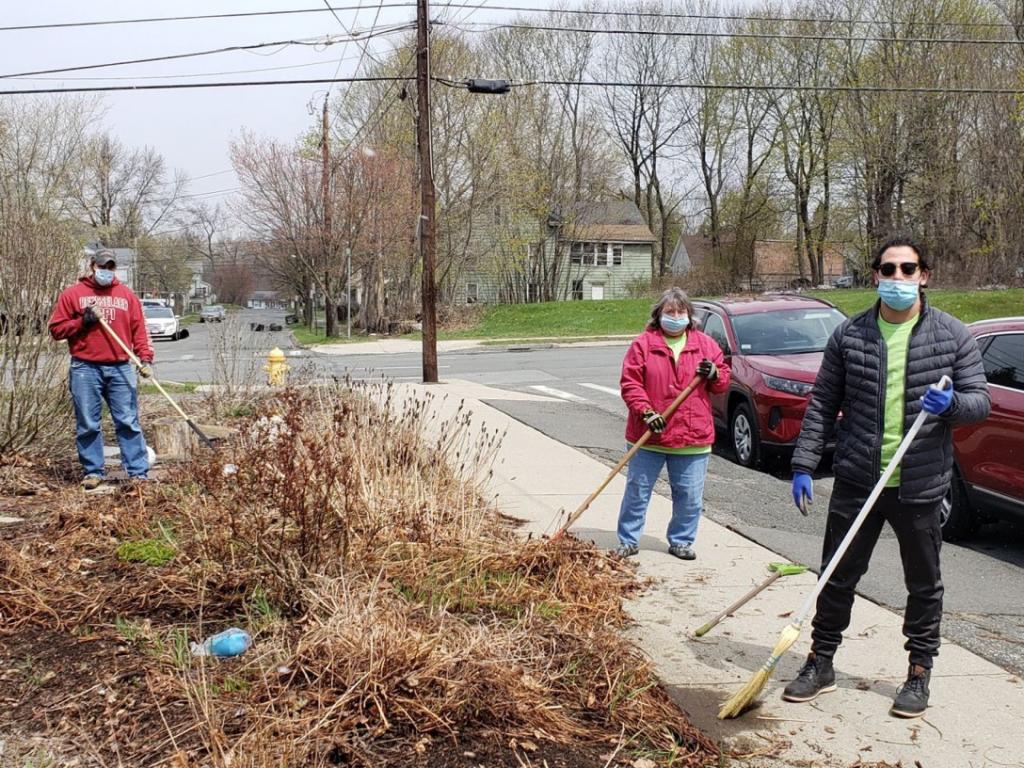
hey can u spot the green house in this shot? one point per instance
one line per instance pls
(593, 251)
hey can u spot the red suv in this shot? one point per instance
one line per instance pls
(988, 477)
(774, 345)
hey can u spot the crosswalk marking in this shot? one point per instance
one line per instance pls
(599, 388)
(558, 393)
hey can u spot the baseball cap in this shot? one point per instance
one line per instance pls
(104, 258)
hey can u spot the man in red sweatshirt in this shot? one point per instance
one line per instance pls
(100, 369)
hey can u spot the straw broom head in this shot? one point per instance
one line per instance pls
(745, 696)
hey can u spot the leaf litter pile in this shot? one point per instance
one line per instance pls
(397, 618)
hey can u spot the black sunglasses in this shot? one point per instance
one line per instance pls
(908, 268)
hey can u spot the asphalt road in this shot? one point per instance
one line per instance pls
(983, 578)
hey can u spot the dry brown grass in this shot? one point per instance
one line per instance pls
(394, 610)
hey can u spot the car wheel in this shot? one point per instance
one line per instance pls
(746, 443)
(957, 516)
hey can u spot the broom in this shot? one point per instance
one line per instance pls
(742, 699)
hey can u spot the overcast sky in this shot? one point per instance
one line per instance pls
(192, 128)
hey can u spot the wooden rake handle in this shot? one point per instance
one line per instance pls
(694, 383)
(138, 364)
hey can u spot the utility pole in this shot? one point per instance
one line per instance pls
(426, 221)
(325, 190)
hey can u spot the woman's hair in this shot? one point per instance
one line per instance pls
(671, 296)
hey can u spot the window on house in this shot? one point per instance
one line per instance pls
(602, 254)
(576, 253)
(577, 290)
(617, 255)
(532, 293)
(589, 254)
(472, 293)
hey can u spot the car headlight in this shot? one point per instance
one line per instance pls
(798, 388)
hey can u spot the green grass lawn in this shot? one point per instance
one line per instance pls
(966, 305)
(622, 317)
(307, 337)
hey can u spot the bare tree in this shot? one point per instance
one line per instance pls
(123, 193)
(40, 145)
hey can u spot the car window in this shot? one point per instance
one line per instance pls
(158, 312)
(786, 331)
(715, 328)
(1004, 361)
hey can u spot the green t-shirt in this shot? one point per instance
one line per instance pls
(677, 345)
(897, 339)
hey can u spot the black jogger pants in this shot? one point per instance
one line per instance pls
(919, 533)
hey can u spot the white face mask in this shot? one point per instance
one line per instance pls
(103, 277)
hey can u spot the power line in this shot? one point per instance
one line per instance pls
(492, 26)
(479, 5)
(193, 17)
(754, 87)
(325, 41)
(177, 86)
(194, 74)
(721, 17)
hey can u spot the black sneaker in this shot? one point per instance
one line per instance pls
(912, 697)
(627, 550)
(815, 676)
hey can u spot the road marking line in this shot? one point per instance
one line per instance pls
(599, 388)
(558, 393)
(186, 357)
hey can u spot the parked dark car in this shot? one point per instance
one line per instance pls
(774, 344)
(988, 476)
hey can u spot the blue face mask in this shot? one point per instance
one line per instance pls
(103, 277)
(898, 294)
(674, 325)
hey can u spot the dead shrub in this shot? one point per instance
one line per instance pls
(392, 607)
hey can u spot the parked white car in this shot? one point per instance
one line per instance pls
(162, 323)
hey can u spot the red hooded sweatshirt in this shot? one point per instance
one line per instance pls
(117, 305)
(651, 379)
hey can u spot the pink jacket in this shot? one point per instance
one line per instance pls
(651, 380)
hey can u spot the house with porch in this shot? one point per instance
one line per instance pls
(590, 252)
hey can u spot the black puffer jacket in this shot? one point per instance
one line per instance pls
(852, 381)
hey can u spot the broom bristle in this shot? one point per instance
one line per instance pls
(745, 696)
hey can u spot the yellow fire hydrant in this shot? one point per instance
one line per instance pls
(276, 368)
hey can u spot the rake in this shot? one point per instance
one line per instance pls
(778, 571)
(694, 383)
(138, 364)
(742, 699)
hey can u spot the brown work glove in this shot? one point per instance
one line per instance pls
(654, 421)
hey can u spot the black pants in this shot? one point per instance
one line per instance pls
(919, 532)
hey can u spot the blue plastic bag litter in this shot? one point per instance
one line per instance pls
(230, 642)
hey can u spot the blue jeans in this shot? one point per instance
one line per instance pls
(91, 384)
(686, 477)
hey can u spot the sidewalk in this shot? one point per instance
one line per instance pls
(388, 346)
(974, 718)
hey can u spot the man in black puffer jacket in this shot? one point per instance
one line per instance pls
(878, 370)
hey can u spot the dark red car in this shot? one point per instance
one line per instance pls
(988, 477)
(774, 344)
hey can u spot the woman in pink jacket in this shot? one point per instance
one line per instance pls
(660, 362)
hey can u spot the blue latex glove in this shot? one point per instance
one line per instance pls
(802, 487)
(937, 400)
